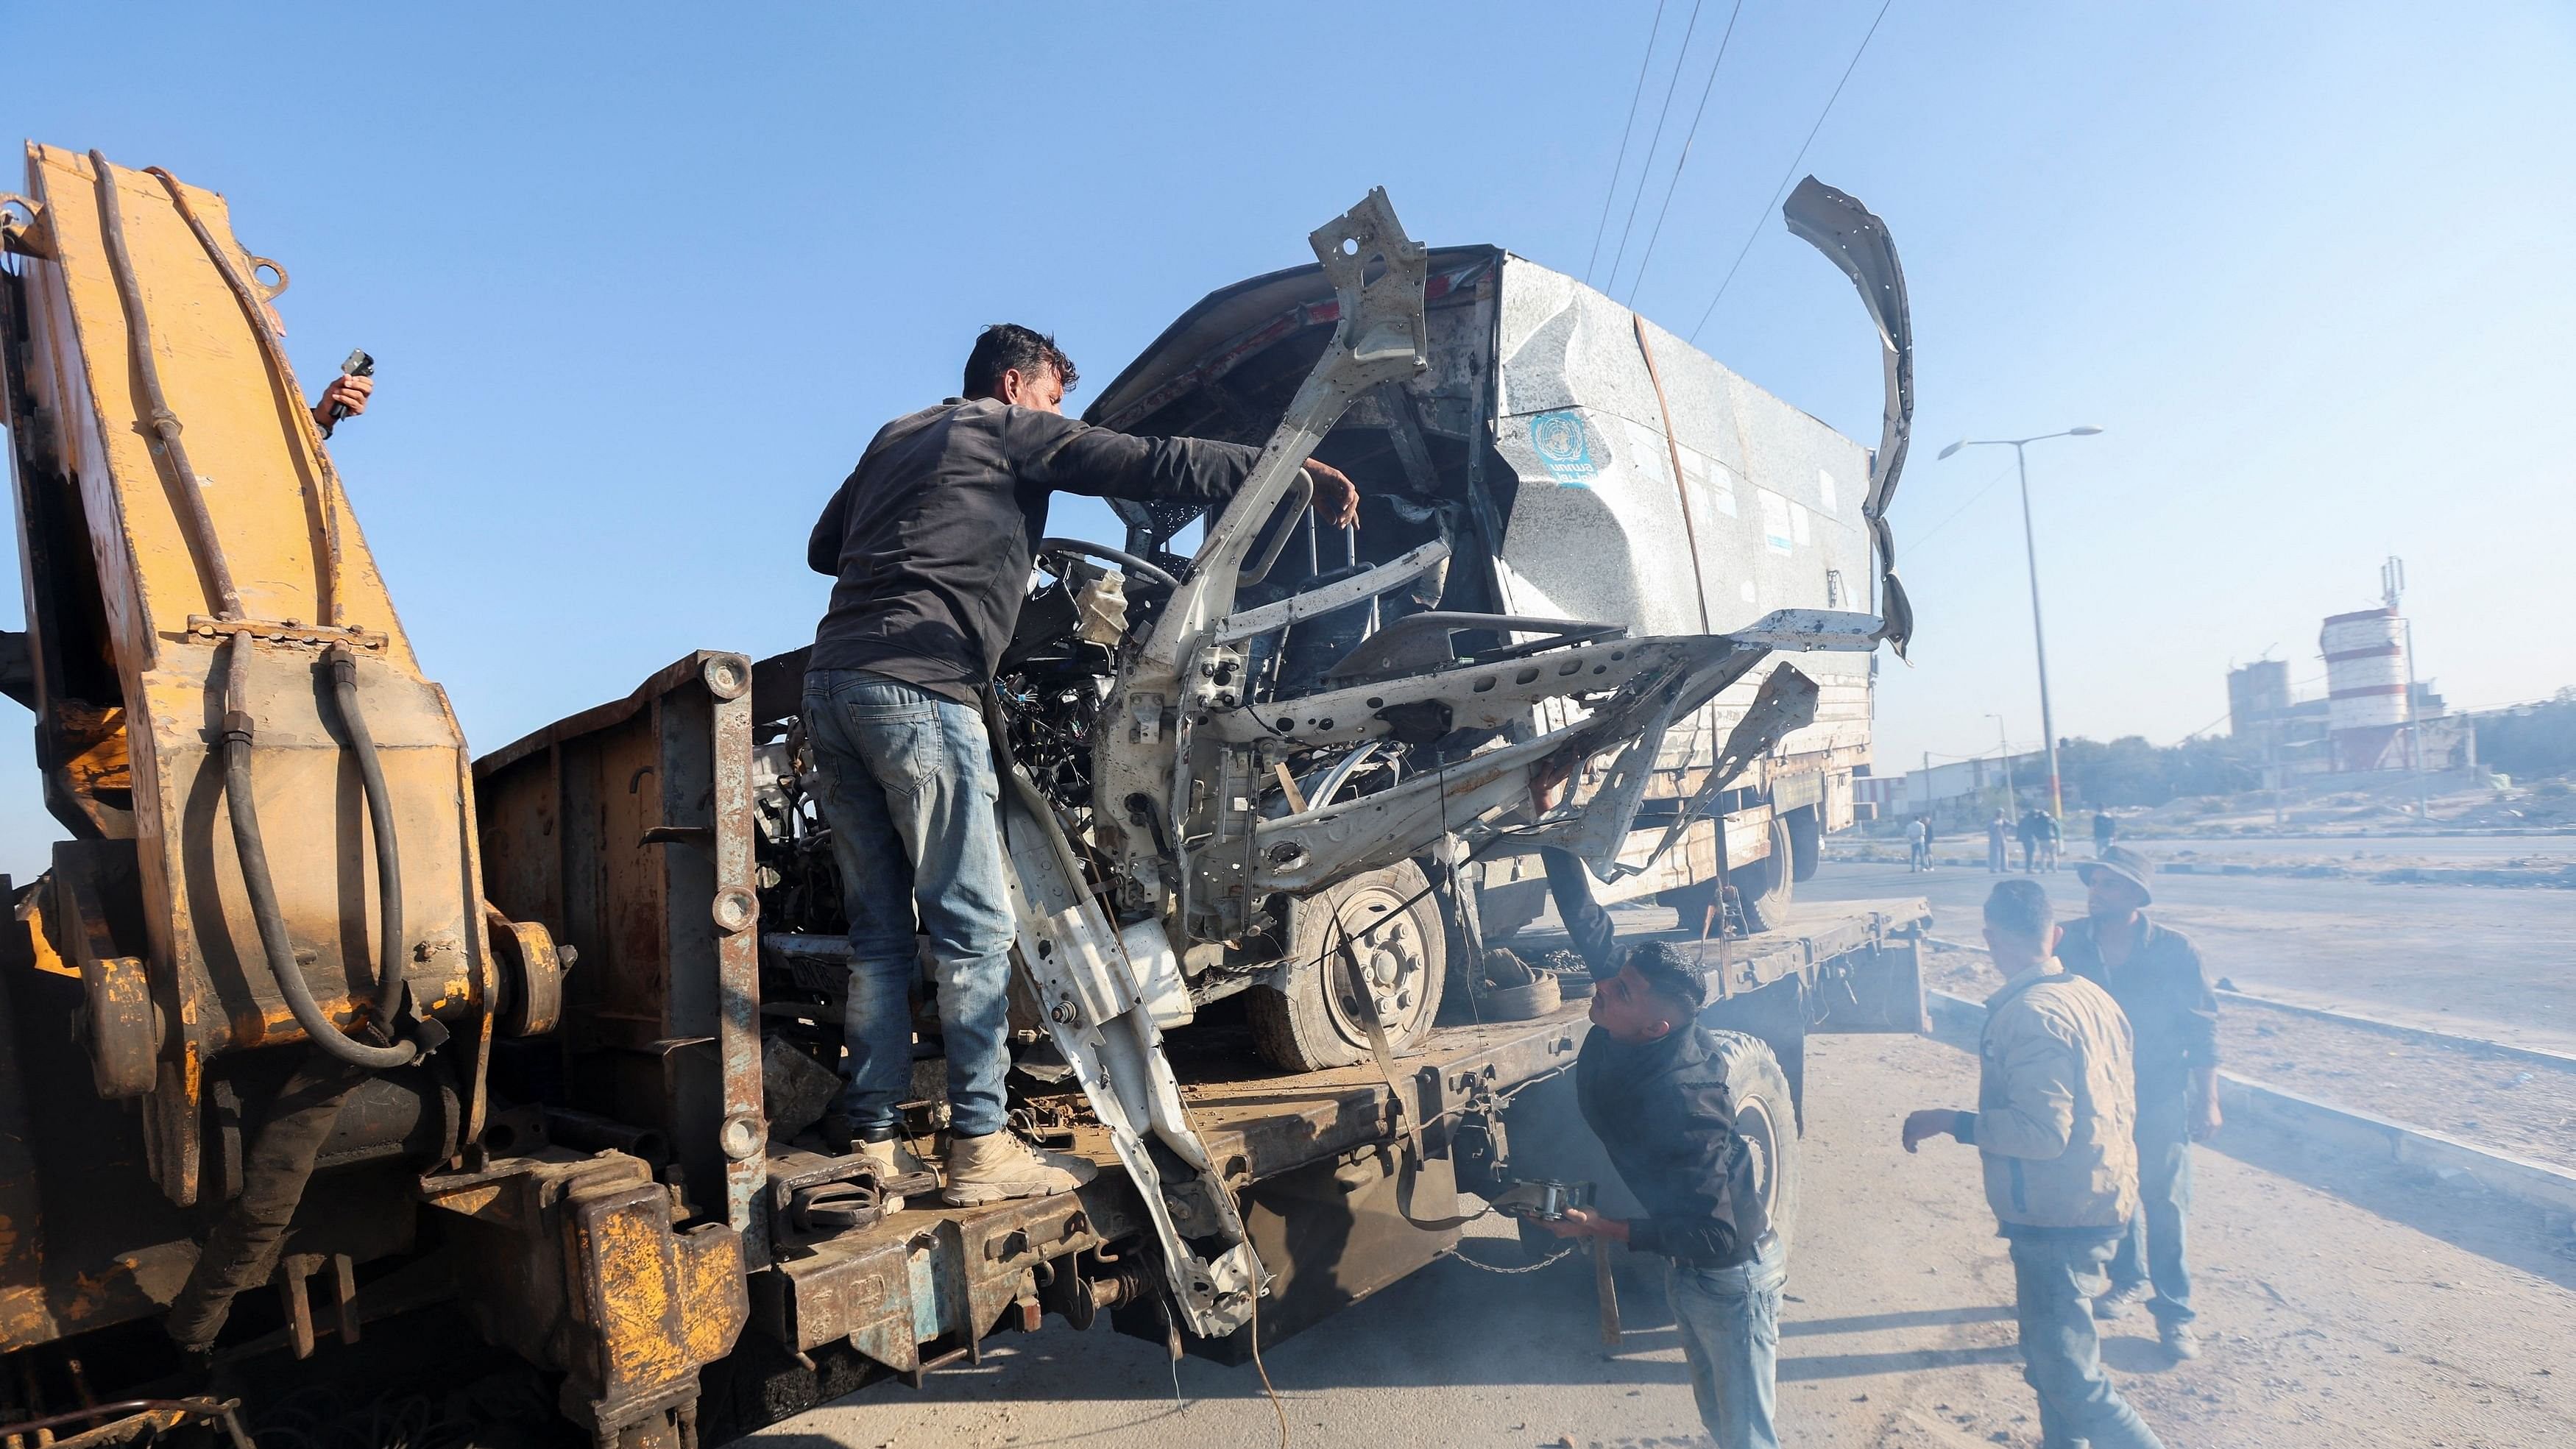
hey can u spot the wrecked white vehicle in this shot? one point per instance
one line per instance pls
(1274, 767)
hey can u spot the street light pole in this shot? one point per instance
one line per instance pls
(2039, 637)
(2003, 741)
(2030, 546)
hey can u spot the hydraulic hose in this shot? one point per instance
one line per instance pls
(380, 816)
(248, 847)
(327, 494)
(200, 524)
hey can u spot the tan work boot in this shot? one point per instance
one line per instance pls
(999, 1166)
(892, 1159)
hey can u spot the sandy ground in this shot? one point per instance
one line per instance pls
(2500, 964)
(2513, 1105)
(2346, 1304)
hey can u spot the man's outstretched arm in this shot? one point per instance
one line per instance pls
(344, 392)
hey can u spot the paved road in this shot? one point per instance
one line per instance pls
(2493, 962)
(2333, 1324)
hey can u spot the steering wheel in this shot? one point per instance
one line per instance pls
(1134, 566)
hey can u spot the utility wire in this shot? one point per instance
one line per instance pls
(1917, 541)
(1648, 167)
(1620, 165)
(1792, 173)
(1675, 179)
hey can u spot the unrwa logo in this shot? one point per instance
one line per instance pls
(1564, 447)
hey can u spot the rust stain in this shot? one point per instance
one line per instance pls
(635, 1296)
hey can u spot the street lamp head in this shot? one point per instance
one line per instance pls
(2082, 430)
(1954, 447)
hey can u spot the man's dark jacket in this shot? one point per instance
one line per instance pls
(932, 534)
(2164, 991)
(1663, 1111)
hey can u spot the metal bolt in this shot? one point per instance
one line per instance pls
(740, 1136)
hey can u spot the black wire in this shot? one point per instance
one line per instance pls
(1647, 167)
(1693, 134)
(1636, 95)
(1792, 172)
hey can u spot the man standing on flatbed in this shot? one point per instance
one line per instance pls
(2053, 1129)
(2155, 974)
(930, 541)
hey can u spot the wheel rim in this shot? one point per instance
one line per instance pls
(1373, 925)
(1762, 1145)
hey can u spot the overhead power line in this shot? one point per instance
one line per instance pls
(1691, 135)
(1792, 173)
(1616, 167)
(1647, 169)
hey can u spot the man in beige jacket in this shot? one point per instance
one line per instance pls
(2056, 1106)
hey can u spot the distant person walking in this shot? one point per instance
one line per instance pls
(2105, 830)
(1918, 844)
(2053, 1129)
(2028, 832)
(1998, 852)
(2052, 840)
(2155, 974)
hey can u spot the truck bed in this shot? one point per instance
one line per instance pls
(904, 1291)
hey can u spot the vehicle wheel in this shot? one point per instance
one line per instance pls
(1768, 1123)
(1305, 1017)
(1806, 842)
(1767, 884)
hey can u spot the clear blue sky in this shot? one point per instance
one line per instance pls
(642, 281)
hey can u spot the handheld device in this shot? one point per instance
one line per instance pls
(356, 364)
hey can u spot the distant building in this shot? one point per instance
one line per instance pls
(2362, 723)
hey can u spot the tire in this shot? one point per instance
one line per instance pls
(1806, 842)
(1549, 1140)
(1301, 1026)
(1769, 1124)
(1768, 884)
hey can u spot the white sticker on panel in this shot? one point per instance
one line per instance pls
(1775, 522)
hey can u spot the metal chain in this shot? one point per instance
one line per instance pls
(1452, 1252)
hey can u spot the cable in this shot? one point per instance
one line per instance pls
(1793, 170)
(1276, 1406)
(1692, 135)
(1634, 96)
(1647, 168)
(1914, 545)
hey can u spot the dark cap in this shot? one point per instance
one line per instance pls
(2123, 862)
(1671, 974)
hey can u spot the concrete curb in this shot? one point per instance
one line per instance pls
(2564, 1061)
(2563, 878)
(2534, 1184)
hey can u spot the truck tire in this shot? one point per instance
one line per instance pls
(1768, 1123)
(1806, 842)
(1767, 885)
(1562, 1148)
(1304, 1019)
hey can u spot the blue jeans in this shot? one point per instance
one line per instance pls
(908, 787)
(2152, 1252)
(2055, 1277)
(1729, 1323)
